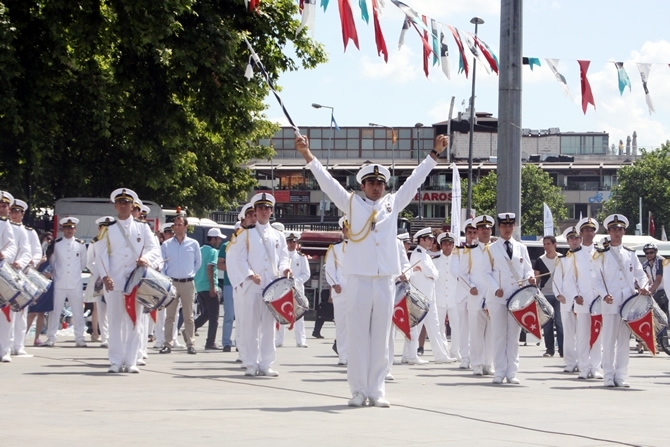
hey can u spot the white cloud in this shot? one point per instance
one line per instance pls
(402, 66)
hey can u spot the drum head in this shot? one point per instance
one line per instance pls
(134, 279)
(635, 307)
(401, 290)
(596, 307)
(277, 289)
(521, 298)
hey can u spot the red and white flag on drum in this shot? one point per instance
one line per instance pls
(130, 303)
(401, 317)
(643, 328)
(284, 307)
(596, 328)
(528, 318)
(5, 310)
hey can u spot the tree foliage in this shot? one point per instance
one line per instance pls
(148, 94)
(648, 178)
(537, 188)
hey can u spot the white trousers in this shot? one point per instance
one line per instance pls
(588, 359)
(392, 333)
(369, 309)
(5, 334)
(481, 337)
(143, 322)
(76, 299)
(506, 333)
(240, 321)
(616, 347)
(411, 346)
(159, 327)
(454, 324)
(103, 321)
(569, 320)
(340, 314)
(20, 323)
(438, 341)
(124, 337)
(259, 328)
(463, 338)
(298, 329)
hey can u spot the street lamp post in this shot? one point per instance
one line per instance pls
(418, 161)
(476, 21)
(330, 145)
(392, 152)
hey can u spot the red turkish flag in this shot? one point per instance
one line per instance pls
(348, 24)
(284, 306)
(596, 328)
(131, 309)
(528, 318)
(426, 50)
(643, 328)
(379, 36)
(652, 226)
(152, 314)
(587, 94)
(401, 319)
(5, 310)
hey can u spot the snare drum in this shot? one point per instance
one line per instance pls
(153, 288)
(29, 293)
(417, 303)
(286, 303)
(644, 318)
(530, 309)
(9, 284)
(39, 280)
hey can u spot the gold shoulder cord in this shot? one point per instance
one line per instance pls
(367, 226)
(488, 252)
(666, 262)
(574, 264)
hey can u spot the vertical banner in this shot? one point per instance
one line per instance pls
(548, 221)
(456, 203)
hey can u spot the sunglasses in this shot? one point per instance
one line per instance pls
(649, 252)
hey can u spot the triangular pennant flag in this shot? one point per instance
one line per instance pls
(470, 41)
(644, 74)
(664, 237)
(379, 36)
(152, 314)
(587, 94)
(444, 53)
(652, 225)
(249, 72)
(488, 55)
(426, 52)
(253, 4)
(301, 5)
(363, 4)
(532, 61)
(324, 4)
(463, 61)
(401, 317)
(528, 318)
(348, 24)
(6, 310)
(405, 26)
(130, 301)
(412, 14)
(436, 42)
(553, 66)
(596, 329)
(623, 77)
(284, 307)
(308, 16)
(414, 20)
(643, 328)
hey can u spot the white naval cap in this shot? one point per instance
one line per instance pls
(423, 232)
(571, 232)
(468, 223)
(343, 221)
(404, 237)
(166, 227)
(238, 225)
(451, 237)
(123, 194)
(292, 235)
(483, 221)
(377, 172)
(69, 222)
(243, 211)
(278, 226)
(6, 197)
(104, 220)
(19, 205)
(264, 199)
(506, 218)
(615, 221)
(138, 203)
(588, 222)
(145, 209)
(215, 232)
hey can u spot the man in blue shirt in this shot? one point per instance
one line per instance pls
(206, 287)
(181, 257)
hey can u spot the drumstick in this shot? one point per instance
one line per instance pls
(410, 268)
(331, 278)
(141, 251)
(604, 283)
(555, 286)
(538, 276)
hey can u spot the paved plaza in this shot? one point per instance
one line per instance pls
(64, 396)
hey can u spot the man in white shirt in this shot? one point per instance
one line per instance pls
(446, 289)
(563, 284)
(8, 252)
(373, 264)
(334, 266)
(544, 269)
(300, 267)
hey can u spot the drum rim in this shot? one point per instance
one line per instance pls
(636, 295)
(596, 300)
(274, 281)
(125, 287)
(516, 292)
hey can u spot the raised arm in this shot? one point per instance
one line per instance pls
(408, 189)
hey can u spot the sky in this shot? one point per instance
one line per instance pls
(363, 89)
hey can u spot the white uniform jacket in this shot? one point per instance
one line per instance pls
(447, 287)
(68, 261)
(24, 253)
(507, 272)
(7, 242)
(35, 246)
(619, 277)
(565, 280)
(335, 264)
(300, 269)
(425, 279)
(475, 267)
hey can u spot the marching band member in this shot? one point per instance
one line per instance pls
(462, 292)
(126, 244)
(476, 262)
(8, 251)
(617, 271)
(260, 256)
(67, 256)
(334, 267)
(300, 267)
(374, 264)
(564, 279)
(511, 267)
(588, 358)
(446, 288)
(100, 303)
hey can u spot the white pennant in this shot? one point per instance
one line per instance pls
(553, 66)
(444, 53)
(455, 202)
(308, 17)
(644, 75)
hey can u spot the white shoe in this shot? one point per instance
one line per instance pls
(597, 375)
(464, 365)
(487, 371)
(478, 371)
(114, 369)
(80, 344)
(22, 353)
(133, 369)
(104, 344)
(497, 380)
(609, 383)
(141, 362)
(303, 345)
(403, 361)
(447, 360)
(357, 401)
(380, 402)
(389, 377)
(513, 380)
(49, 343)
(7, 358)
(417, 361)
(176, 344)
(158, 345)
(251, 371)
(621, 383)
(278, 345)
(268, 372)
(583, 376)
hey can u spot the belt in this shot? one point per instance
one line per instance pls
(182, 280)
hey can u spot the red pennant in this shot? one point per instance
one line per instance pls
(643, 328)
(461, 50)
(528, 319)
(130, 305)
(152, 314)
(596, 328)
(652, 225)
(284, 307)
(487, 55)
(426, 51)
(348, 24)
(253, 4)
(379, 36)
(6, 310)
(587, 94)
(401, 319)
(301, 6)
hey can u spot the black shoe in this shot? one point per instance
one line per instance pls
(419, 350)
(315, 335)
(548, 354)
(226, 348)
(213, 347)
(165, 350)
(335, 347)
(191, 350)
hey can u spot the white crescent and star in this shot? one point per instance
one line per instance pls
(290, 305)
(523, 319)
(402, 311)
(646, 323)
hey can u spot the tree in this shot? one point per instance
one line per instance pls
(537, 188)
(647, 178)
(148, 94)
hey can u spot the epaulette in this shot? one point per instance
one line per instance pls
(666, 262)
(107, 224)
(627, 248)
(418, 250)
(569, 254)
(14, 223)
(59, 239)
(561, 255)
(4, 218)
(80, 241)
(436, 256)
(94, 240)
(301, 253)
(598, 253)
(603, 250)
(28, 228)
